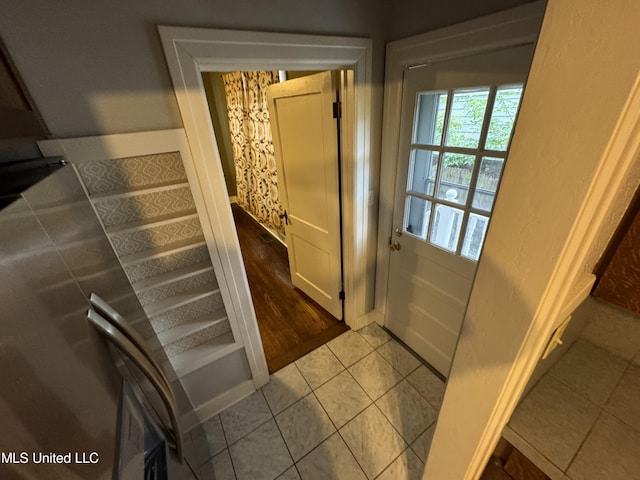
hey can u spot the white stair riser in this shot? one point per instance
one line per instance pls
(198, 338)
(148, 210)
(131, 173)
(179, 286)
(166, 263)
(127, 243)
(210, 306)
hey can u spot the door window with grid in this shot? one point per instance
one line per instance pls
(459, 144)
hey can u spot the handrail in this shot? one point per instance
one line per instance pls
(119, 340)
(117, 320)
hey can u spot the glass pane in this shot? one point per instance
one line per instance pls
(467, 115)
(487, 183)
(474, 237)
(417, 211)
(430, 118)
(455, 177)
(424, 165)
(445, 230)
(505, 109)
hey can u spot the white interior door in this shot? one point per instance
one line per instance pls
(457, 121)
(305, 138)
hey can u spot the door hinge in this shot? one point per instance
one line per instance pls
(337, 109)
(341, 295)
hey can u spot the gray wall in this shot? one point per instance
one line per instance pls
(214, 88)
(97, 67)
(411, 17)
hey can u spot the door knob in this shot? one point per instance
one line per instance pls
(394, 247)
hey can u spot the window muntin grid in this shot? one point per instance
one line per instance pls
(466, 165)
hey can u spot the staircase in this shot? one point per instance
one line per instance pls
(147, 210)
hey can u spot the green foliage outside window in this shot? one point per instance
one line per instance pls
(469, 112)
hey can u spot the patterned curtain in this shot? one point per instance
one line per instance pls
(255, 163)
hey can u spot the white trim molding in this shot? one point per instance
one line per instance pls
(191, 51)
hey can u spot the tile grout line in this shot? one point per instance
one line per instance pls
(418, 357)
(343, 364)
(560, 380)
(404, 377)
(273, 417)
(575, 454)
(409, 444)
(226, 442)
(581, 443)
(624, 372)
(347, 445)
(604, 409)
(432, 405)
(606, 400)
(251, 431)
(396, 458)
(337, 430)
(389, 420)
(233, 467)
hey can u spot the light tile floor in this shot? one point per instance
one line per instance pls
(582, 420)
(359, 407)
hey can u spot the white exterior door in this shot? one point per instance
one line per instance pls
(305, 138)
(457, 120)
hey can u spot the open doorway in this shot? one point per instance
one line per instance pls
(290, 322)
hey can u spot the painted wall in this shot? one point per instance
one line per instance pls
(560, 149)
(411, 17)
(214, 88)
(97, 67)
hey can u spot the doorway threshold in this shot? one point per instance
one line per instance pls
(291, 324)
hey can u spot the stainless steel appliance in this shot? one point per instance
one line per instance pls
(68, 410)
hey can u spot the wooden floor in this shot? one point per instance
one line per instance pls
(291, 324)
(511, 464)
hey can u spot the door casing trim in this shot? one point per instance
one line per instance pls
(190, 51)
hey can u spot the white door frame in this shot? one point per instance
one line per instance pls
(502, 30)
(528, 280)
(190, 51)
